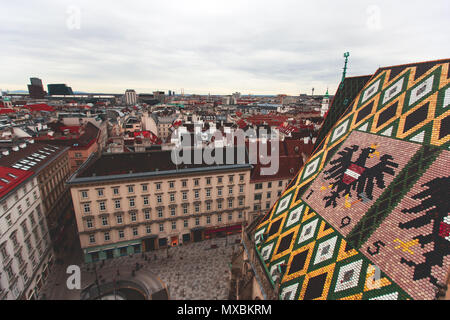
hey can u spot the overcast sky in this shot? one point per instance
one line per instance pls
(214, 46)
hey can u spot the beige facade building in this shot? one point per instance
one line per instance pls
(159, 125)
(26, 253)
(265, 190)
(164, 124)
(130, 203)
(265, 193)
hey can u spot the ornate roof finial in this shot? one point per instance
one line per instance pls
(346, 55)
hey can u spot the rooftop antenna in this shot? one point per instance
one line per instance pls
(346, 55)
(312, 91)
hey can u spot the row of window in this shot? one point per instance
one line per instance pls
(11, 218)
(55, 179)
(161, 228)
(16, 195)
(158, 186)
(257, 207)
(259, 186)
(9, 269)
(258, 196)
(40, 246)
(56, 167)
(160, 213)
(132, 202)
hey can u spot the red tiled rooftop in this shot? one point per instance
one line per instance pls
(39, 107)
(6, 111)
(288, 147)
(87, 137)
(288, 168)
(11, 178)
(42, 152)
(72, 129)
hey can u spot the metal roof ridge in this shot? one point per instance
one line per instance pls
(75, 180)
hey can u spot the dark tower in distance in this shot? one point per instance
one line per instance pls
(36, 89)
(59, 89)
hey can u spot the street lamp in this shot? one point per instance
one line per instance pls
(226, 237)
(114, 282)
(96, 279)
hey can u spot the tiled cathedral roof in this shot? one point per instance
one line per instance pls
(367, 217)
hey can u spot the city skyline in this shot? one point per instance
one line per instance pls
(255, 47)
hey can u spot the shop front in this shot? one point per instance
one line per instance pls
(123, 251)
(174, 241)
(162, 242)
(149, 243)
(222, 231)
(110, 252)
(137, 248)
(198, 234)
(186, 238)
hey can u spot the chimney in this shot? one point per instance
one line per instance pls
(15, 148)
(5, 152)
(23, 145)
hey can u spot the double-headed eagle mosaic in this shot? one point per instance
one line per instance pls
(349, 176)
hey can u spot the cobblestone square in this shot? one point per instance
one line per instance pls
(195, 271)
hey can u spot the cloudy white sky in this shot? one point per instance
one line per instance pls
(214, 46)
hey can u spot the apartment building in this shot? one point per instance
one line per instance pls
(158, 124)
(34, 203)
(56, 199)
(265, 190)
(130, 97)
(26, 252)
(50, 164)
(264, 194)
(164, 125)
(83, 143)
(131, 124)
(134, 202)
